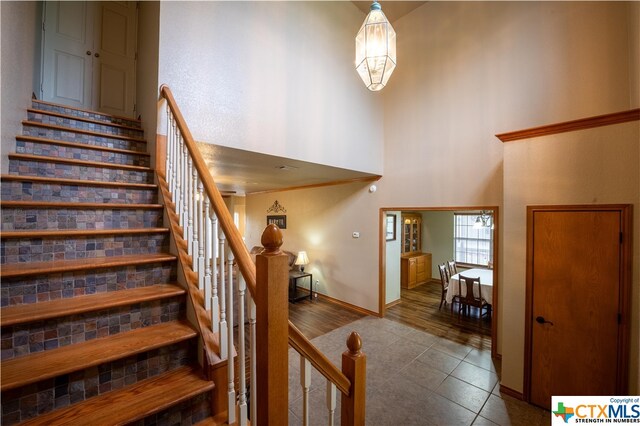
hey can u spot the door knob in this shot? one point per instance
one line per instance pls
(541, 320)
(97, 55)
(88, 53)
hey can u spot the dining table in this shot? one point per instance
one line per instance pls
(486, 283)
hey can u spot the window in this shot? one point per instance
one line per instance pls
(472, 245)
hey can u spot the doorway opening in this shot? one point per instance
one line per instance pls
(438, 240)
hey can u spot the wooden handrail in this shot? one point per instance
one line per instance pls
(238, 248)
(321, 363)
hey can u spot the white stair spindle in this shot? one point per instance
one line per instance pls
(208, 253)
(167, 160)
(305, 383)
(202, 229)
(222, 285)
(215, 302)
(194, 226)
(331, 401)
(185, 190)
(172, 152)
(188, 206)
(179, 177)
(251, 307)
(242, 377)
(231, 393)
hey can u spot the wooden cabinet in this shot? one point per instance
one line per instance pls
(411, 233)
(415, 269)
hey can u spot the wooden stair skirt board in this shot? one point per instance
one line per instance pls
(78, 182)
(74, 162)
(10, 270)
(21, 314)
(39, 366)
(132, 403)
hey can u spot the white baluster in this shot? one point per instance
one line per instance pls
(331, 401)
(242, 378)
(188, 206)
(179, 177)
(251, 307)
(215, 301)
(171, 152)
(202, 229)
(231, 394)
(185, 190)
(167, 160)
(208, 251)
(195, 215)
(223, 314)
(305, 382)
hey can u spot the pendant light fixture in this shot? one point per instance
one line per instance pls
(375, 49)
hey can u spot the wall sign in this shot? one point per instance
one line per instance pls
(280, 221)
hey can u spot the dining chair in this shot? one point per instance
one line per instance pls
(444, 280)
(453, 268)
(470, 299)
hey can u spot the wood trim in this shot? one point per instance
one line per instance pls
(161, 155)
(70, 205)
(626, 212)
(77, 182)
(85, 119)
(347, 305)
(510, 392)
(87, 110)
(74, 162)
(35, 139)
(82, 131)
(392, 304)
(573, 125)
(373, 178)
(321, 363)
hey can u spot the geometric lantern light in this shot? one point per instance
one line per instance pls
(375, 49)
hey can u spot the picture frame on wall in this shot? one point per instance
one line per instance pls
(279, 220)
(390, 227)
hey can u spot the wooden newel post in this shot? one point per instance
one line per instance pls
(354, 366)
(272, 315)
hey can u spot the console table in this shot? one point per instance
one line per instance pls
(294, 293)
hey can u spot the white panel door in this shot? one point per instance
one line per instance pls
(89, 55)
(68, 53)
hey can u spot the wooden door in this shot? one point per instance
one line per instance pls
(89, 55)
(575, 288)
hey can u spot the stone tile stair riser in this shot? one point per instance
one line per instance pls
(24, 339)
(58, 248)
(45, 219)
(84, 114)
(40, 191)
(84, 125)
(189, 412)
(46, 287)
(26, 402)
(50, 150)
(67, 171)
(71, 136)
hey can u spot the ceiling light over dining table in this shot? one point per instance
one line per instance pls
(375, 49)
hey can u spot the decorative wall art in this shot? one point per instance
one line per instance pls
(279, 220)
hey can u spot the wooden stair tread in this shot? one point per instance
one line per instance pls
(79, 145)
(105, 114)
(74, 205)
(79, 232)
(74, 162)
(85, 119)
(84, 132)
(131, 403)
(32, 312)
(43, 365)
(10, 270)
(77, 182)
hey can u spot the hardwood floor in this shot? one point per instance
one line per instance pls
(419, 309)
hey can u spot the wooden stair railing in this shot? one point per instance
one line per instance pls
(204, 233)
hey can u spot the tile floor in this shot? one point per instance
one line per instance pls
(414, 378)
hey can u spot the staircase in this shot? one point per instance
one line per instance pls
(94, 327)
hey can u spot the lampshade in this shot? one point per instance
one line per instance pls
(375, 49)
(302, 258)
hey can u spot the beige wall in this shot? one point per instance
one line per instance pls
(392, 262)
(437, 238)
(597, 166)
(147, 70)
(273, 77)
(20, 53)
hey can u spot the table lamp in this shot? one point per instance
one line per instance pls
(302, 260)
